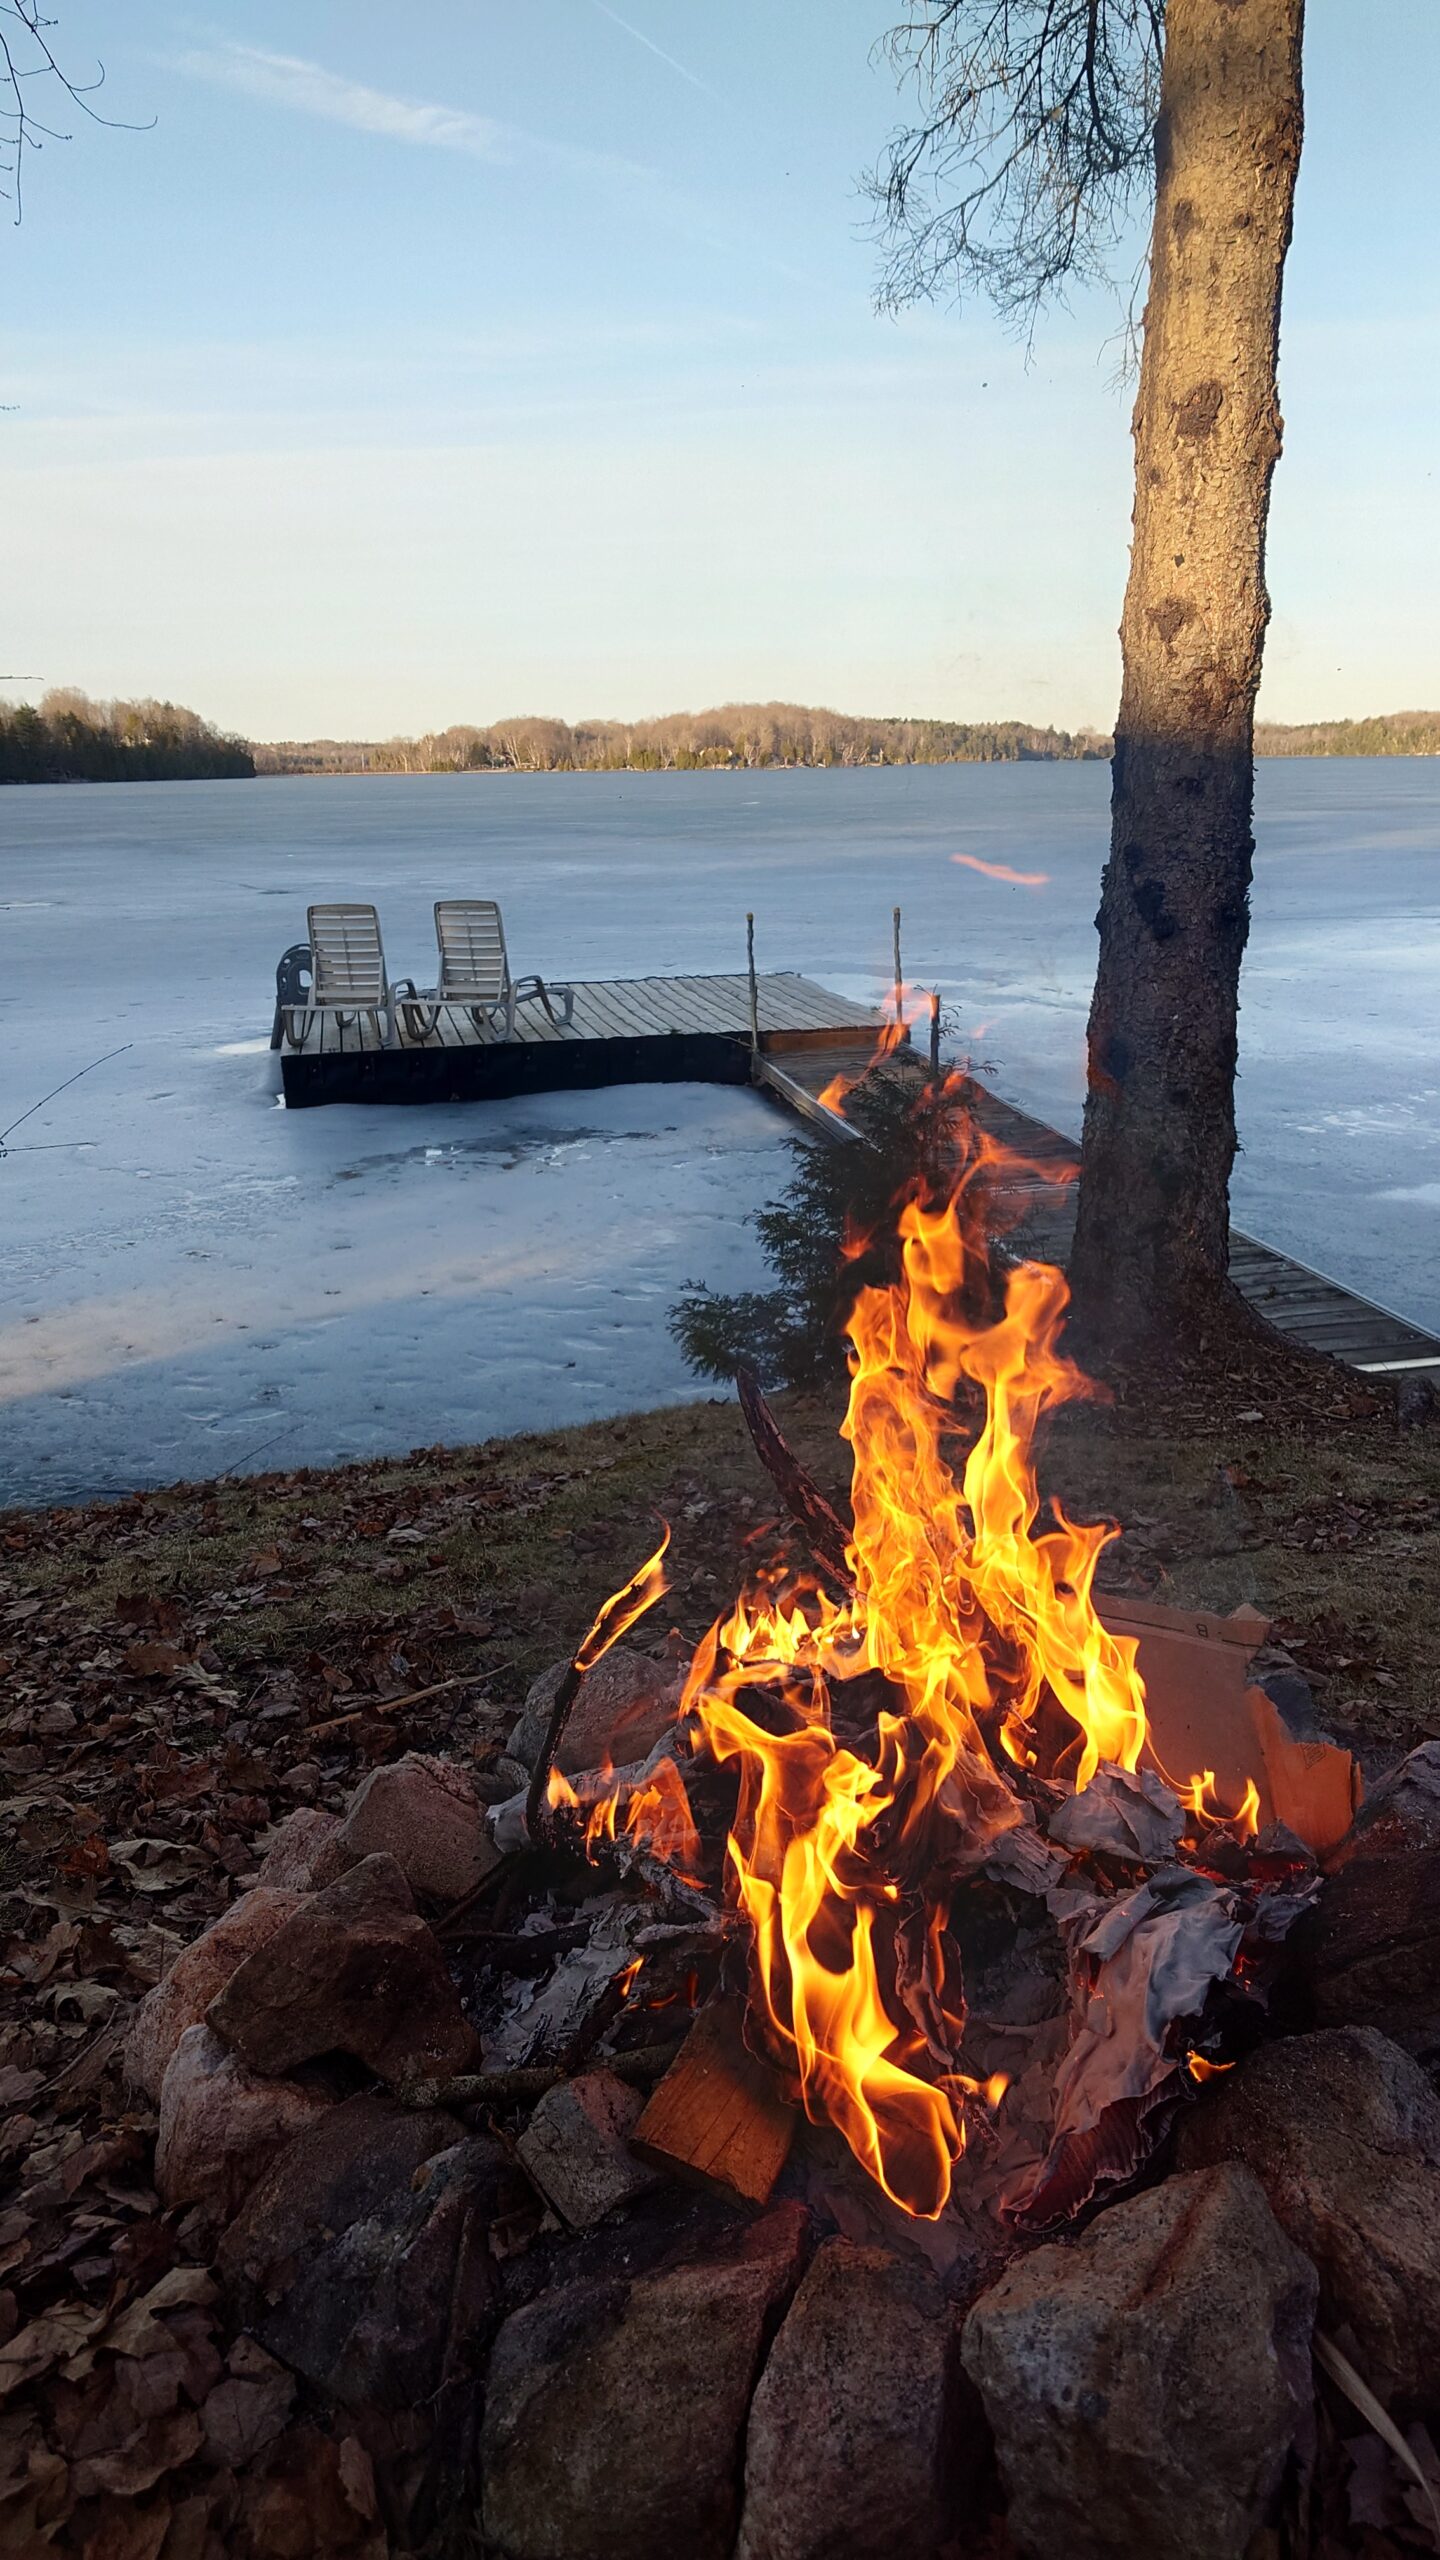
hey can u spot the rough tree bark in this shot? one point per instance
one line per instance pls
(1151, 1245)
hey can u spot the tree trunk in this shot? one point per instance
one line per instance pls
(1152, 1239)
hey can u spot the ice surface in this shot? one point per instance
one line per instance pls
(193, 1279)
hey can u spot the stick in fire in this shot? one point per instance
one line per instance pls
(619, 1613)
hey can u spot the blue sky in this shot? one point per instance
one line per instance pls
(510, 355)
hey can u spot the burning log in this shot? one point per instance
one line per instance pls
(620, 1612)
(717, 2117)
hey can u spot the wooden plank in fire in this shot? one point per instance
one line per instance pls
(717, 2118)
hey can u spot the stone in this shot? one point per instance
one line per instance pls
(220, 2124)
(1148, 2384)
(615, 2412)
(1368, 1955)
(864, 2435)
(182, 1996)
(623, 1707)
(1401, 1811)
(295, 1859)
(574, 2148)
(360, 2258)
(426, 1815)
(1343, 2131)
(353, 1970)
(346, 2169)
(381, 2313)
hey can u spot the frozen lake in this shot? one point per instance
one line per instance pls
(193, 1279)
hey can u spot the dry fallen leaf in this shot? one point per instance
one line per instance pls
(153, 1659)
(156, 1866)
(58, 2334)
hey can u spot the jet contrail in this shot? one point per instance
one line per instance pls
(651, 47)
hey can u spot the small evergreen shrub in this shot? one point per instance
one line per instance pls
(830, 1235)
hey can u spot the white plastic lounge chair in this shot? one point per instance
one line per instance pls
(475, 975)
(347, 973)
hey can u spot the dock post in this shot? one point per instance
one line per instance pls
(899, 974)
(934, 1035)
(754, 995)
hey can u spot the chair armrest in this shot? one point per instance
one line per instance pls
(533, 989)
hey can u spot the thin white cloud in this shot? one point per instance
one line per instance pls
(287, 80)
(652, 47)
(307, 88)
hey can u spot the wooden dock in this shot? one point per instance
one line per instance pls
(698, 1029)
(1305, 1304)
(621, 1031)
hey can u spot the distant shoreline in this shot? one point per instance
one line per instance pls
(584, 773)
(69, 738)
(759, 737)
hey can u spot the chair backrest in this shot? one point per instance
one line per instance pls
(473, 959)
(347, 960)
(294, 974)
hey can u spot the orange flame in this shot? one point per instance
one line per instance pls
(973, 1621)
(906, 1006)
(1200, 2069)
(619, 1613)
(974, 1611)
(657, 1817)
(1198, 1797)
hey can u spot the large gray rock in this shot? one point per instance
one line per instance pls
(614, 2413)
(425, 1814)
(1148, 2384)
(181, 1998)
(361, 2258)
(624, 1706)
(220, 2124)
(353, 1970)
(575, 2148)
(863, 2432)
(348, 2169)
(1343, 2131)
(382, 2313)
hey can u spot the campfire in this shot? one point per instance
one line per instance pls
(922, 1723)
(931, 2068)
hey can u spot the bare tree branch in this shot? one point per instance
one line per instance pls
(1036, 140)
(30, 66)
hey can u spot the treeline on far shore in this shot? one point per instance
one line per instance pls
(1390, 733)
(740, 735)
(69, 738)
